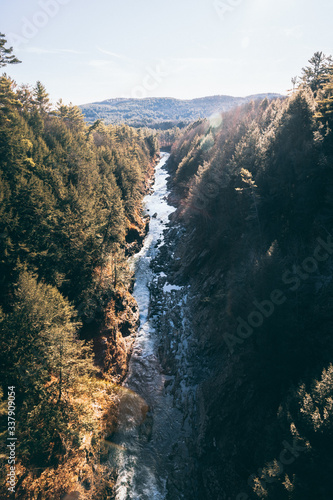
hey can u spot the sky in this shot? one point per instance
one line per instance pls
(86, 51)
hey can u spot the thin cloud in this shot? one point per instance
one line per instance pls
(41, 50)
(295, 32)
(120, 57)
(201, 60)
(99, 63)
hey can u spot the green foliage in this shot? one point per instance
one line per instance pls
(325, 101)
(167, 138)
(44, 360)
(6, 54)
(291, 169)
(314, 75)
(41, 97)
(256, 193)
(69, 193)
(307, 419)
(9, 99)
(161, 112)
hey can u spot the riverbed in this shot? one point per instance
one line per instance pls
(153, 453)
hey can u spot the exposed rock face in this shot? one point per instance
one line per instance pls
(113, 344)
(180, 311)
(135, 236)
(190, 350)
(181, 314)
(206, 448)
(122, 322)
(220, 432)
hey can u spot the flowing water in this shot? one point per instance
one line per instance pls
(156, 403)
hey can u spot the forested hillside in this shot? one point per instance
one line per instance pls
(163, 112)
(229, 394)
(71, 212)
(254, 193)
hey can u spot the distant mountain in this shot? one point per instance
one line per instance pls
(163, 112)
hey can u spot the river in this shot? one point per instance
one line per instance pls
(156, 408)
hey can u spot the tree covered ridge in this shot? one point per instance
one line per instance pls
(70, 195)
(162, 112)
(254, 192)
(70, 191)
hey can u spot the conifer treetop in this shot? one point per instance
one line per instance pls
(6, 54)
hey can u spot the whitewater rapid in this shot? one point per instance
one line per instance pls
(155, 404)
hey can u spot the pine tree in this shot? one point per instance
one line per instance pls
(9, 100)
(42, 356)
(325, 101)
(41, 97)
(316, 73)
(26, 97)
(290, 179)
(6, 54)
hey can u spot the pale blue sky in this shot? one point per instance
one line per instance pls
(90, 50)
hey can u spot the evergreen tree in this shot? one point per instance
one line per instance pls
(325, 101)
(41, 97)
(289, 179)
(315, 74)
(9, 100)
(69, 193)
(252, 209)
(6, 54)
(42, 357)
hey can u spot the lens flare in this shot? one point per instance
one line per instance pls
(216, 120)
